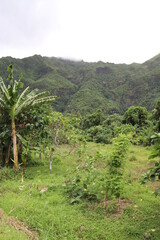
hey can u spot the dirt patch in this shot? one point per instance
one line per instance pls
(20, 226)
(121, 205)
(1, 213)
(112, 207)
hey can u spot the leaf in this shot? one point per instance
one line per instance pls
(25, 143)
(10, 70)
(75, 200)
(156, 192)
(20, 85)
(154, 154)
(152, 177)
(153, 136)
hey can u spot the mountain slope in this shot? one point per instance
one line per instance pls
(83, 87)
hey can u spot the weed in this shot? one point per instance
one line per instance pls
(132, 158)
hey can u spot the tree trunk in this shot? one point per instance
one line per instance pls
(56, 135)
(14, 139)
(50, 166)
(7, 155)
(0, 153)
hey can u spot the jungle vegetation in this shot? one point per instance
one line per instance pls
(84, 87)
(90, 165)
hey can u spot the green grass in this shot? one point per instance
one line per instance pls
(8, 232)
(51, 214)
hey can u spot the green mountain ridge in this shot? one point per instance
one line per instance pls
(83, 87)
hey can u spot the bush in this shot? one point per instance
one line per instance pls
(99, 134)
(136, 116)
(113, 184)
(9, 173)
(92, 184)
(93, 119)
(84, 184)
(132, 159)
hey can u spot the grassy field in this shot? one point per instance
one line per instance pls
(39, 208)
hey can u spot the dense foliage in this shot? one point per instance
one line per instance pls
(92, 184)
(34, 136)
(135, 116)
(13, 105)
(85, 87)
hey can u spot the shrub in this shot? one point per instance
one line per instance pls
(99, 134)
(136, 116)
(113, 184)
(92, 184)
(132, 158)
(83, 185)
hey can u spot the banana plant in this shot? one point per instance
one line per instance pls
(14, 101)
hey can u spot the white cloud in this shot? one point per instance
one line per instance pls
(92, 30)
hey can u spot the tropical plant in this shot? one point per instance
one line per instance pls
(136, 116)
(93, 119)
(13, 102)
(113, 181)
(84, 184)
(156, 114)
(153, 173)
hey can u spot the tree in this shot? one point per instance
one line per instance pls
(156, 114)
(93, 119)
(135, 116)
(13, 102)
(153, 174)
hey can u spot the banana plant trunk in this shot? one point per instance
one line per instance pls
(7, 155)
(0, 153)
(14, 140)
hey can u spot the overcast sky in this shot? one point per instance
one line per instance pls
(119, 31)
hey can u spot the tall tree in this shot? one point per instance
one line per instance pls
(14, 102)
(136, 115)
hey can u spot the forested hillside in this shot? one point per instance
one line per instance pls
(84, 87)
(99, 172)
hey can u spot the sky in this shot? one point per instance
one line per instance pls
(118, 31)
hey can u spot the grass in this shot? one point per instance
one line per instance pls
(40, 201)
(8, 232)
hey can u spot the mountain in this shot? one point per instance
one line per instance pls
(84, 87)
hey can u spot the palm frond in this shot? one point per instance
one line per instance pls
(23, 106)
(40, 95)
(33, 101)
(23, 94)
(44, 100)
(32, 93)
(4, 91)
(1, 106)
(3, 103)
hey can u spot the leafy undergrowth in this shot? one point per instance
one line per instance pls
(41, 203)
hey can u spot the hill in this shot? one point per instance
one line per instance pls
(84, 87)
